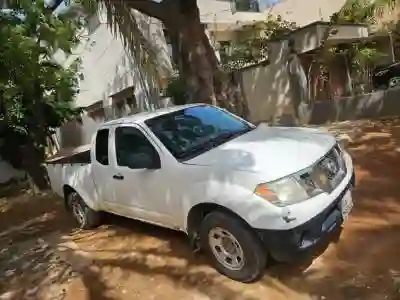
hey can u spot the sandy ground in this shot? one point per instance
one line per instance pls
(42, 257)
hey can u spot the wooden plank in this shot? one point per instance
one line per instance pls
(79, 154)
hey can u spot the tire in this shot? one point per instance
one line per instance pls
(248, 246)
(86, 217)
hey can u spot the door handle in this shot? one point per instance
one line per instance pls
(118, 177)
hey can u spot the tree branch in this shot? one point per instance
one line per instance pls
(149, 7)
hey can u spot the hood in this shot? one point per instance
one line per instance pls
(272, 152)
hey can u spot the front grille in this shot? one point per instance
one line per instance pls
(328, 172)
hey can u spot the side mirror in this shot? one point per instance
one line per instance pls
(144, 161)
(156, 163)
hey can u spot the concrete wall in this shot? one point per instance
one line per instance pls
(310, 37)
(305, 12)
(276, 92)
(110, 74)
(7, 172)
(372, 106)
(223, 11)
(74, 133)
(343, 33)
(267, 88)
(107, 68)
(270, 96)
(222, 21)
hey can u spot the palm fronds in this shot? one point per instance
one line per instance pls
(134, 29)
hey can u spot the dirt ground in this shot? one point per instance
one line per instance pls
(42, 257)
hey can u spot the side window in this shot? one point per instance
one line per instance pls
(102, 146)
(133, 149)
(246, 5)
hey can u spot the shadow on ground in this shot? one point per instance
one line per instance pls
(29, 267)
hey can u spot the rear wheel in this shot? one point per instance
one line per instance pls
(85, 216)
(234, 248)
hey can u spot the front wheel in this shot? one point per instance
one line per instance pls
(86, 217)
(234, 248)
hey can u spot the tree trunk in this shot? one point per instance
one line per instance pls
(199, 67)
(31, 159)
(197, 63)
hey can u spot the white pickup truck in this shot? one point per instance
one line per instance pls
(242, 193)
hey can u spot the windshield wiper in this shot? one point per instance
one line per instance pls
(230, 135)
(196, 150)
(210, 144)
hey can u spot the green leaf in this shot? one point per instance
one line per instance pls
(37, 94)
(253, 46)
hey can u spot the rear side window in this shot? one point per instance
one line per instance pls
(102, 146)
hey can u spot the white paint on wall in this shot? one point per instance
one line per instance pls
(7, 172)
(267, 88)
(222, 11)
(107, 69)
(106, 66)
(304, 12)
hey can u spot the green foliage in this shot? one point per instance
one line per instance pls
(364, 55)
(176, 89)
(36, 93)
(360, 55)
(356, 12)
(252, 44)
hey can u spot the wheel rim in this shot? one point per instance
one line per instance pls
(77, 210)
(226, 248)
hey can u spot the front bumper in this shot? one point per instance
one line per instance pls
(287, 245)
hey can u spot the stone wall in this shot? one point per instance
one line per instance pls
(271, 97)
(372, 106)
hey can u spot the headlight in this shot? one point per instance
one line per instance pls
(287, 191)
(343, 141)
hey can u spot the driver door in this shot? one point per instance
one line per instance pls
(140, 183)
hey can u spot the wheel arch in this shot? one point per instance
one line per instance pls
(198, 212)
(67, 189)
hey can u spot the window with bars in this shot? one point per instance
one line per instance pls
(246, 6)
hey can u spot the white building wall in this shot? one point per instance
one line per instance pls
(106, 66)
(304, 12)
(223, 11)
(7, 172)
(107, 69)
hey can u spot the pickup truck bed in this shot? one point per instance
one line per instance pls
(77, 155)
(72, 167)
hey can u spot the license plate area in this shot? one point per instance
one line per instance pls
(346, 205)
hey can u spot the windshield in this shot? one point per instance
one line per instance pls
(192, 131)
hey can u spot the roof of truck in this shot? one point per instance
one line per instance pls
(143, 116)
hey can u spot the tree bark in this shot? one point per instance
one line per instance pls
(32, 153)
(196, 60)
(197, 65)
(31, 160)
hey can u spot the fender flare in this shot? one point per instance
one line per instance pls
(89, 202)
